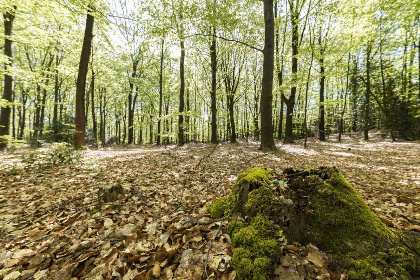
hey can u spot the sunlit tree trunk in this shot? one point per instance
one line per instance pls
(8, 78)
(267, 139)
(213, 56)
(322, 95)
(181, 139)
(81, 81)
(160, 93)
(367, 117)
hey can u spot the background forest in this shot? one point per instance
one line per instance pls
(175, 71)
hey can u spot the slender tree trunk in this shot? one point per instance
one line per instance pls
(305, 123)
(255, 114)
(366, 126)
(267, 139)
(322, 96)
(354, 86)
(280, 65)
(187, 117)
(290, 103)
(42, 116)
(81, 81)
(94, 123)
(56, 98)
(101, 120)
(341, 125)
(103, 136)
(8, 78)
(232, 120)
(23, 118)
(181, 139)
(151, 127)
(160, 93)
(213, 56)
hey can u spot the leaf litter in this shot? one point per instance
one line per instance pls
(54, 224)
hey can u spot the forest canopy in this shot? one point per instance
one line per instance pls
(177, 71)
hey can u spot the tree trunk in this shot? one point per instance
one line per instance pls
(160, 94)
(322, 97)
(23, 117)
(366, 126)
(8, 79)
(305, 122)
(232, 120)
(56, 98)
(267, 139)
(290, 103)
(81, 81)
(341, 125)
(92, 92)
(181, 140)
(213, 56)
(280, 74)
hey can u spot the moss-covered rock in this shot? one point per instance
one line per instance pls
(334, 217)
(315, 206)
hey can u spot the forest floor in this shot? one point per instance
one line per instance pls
(53, 225)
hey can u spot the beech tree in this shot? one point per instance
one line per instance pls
(81, 79)
(8, 16)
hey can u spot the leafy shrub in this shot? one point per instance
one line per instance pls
(60, 154)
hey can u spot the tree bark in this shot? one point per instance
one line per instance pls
(322, 96)
(366, 125)
(160, 93)
(8, 79)
(280, 74)
(94, 123)
(213, 56)
(267, 139)
(181, 140)
(56, 98)
(305, 123)
(81, 81)
(290, 103)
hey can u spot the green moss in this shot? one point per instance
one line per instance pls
(246, 237)
(263, 201)
(234, 226)
(393, 263)
(341, 222)
(223, 206)
(248, 269)
(256, 175)
(259, 246)
(262, 268)
(242, 262)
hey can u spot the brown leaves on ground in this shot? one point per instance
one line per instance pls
(54, 225)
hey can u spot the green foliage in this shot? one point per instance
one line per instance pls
(58, 155)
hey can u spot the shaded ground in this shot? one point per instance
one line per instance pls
(50, 227)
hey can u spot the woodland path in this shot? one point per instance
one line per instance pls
(49, 227)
